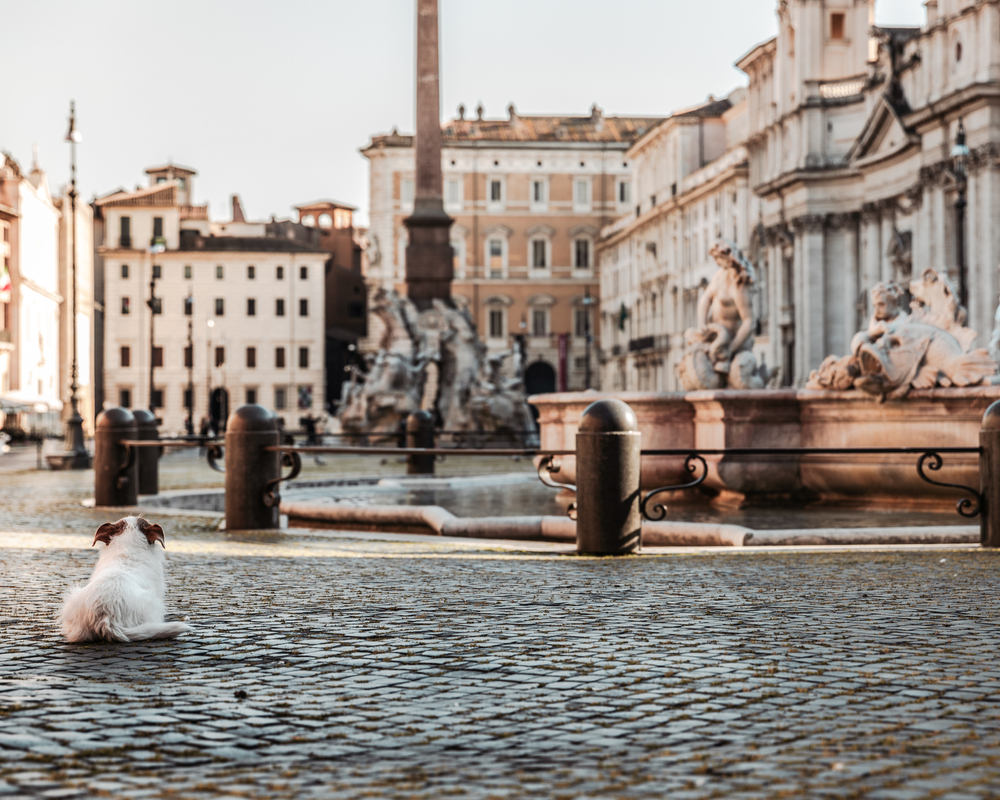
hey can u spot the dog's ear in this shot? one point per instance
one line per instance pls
(104, 533)
(154, 533)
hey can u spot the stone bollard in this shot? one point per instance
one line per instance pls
(116, 475)
(249, 468)
(608, 521)
(989, 477)
(148, 457)
(420, 433)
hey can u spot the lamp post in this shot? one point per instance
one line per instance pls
(959, 155)
(79, 457)
(208, 375)
(190, 387)
(152, 348)
(588, 301)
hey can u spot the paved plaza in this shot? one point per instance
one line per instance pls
(339, 665)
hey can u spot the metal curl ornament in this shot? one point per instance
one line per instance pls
(967, 506)
(690, 466)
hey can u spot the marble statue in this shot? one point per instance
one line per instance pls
(899, 351)
(431, 359)
(718, 354)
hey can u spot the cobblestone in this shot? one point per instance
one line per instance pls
(343, 668)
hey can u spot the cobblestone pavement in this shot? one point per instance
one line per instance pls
(346, 667)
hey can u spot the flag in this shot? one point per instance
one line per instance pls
(622, 316)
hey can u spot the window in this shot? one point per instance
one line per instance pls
(581, 193)
(251, 358)
(220, 272)
(157, 398)
(251, 272)
(251, 396)
(836, 26)
(157, 228)
(580, 320)
(125, 270)
(125, 398)
(157, 272)
(155, 303)
(279, 399)
(188, 399)
(125, 234)
(581, 253)
(303, 307)
(303, 358)
(538, 191)
(157, 356)
(187, 272)
(496, 191)
(279, 357)
(279, 307)
(126, 356)
(406, 191)
(625, 192)
(220, 307)
(538, 248)
(279, 273)
(452, 192)
(496, 323)
(188, 358)
(251, 307)
(539, 322)
(188, 306)
(220, 356)
(495, 250)
(325, 220)
(303, 273)
(126, 306)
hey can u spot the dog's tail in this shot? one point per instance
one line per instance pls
(156, 630)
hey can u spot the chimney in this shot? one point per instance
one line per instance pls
(238, 210)
(596, 117)
(512, 112)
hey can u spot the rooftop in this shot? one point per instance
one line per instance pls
(594, 128)
(192, 240)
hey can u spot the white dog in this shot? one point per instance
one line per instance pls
(124, 600)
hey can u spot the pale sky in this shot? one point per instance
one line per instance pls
(272, 100)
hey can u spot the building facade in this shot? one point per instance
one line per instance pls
(239, 316)
(30, 365)
(848, 131)
(528, 196)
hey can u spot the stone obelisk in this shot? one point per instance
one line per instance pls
(429, 264)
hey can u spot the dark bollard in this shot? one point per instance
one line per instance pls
(249, 468)
(608, 521)
(989, 477)
(148, 457)
(420, 433)
(116, 476)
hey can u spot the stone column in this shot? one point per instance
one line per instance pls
(873, 235)
(888, 220)
(851, 290)
(812, 333)
(429, 263)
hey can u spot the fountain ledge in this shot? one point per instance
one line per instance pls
(762, 418)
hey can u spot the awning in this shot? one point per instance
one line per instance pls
(10, 406)
(29, 403)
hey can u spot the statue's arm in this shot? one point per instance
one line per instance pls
(705, 304)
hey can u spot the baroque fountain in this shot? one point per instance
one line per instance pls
(912, 379)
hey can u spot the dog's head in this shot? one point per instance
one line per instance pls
(130, 532)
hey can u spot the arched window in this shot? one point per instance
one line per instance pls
(325, 220)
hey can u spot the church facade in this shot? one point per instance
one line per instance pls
(840, 165)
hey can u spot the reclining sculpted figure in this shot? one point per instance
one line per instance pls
(928, 347)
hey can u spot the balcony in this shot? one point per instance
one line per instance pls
(644, 343)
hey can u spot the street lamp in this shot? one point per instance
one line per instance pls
(190, 390)
(959, 155)
(79, 457)
(208, 376)
(588, 301)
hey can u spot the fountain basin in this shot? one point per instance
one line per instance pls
(792, 418)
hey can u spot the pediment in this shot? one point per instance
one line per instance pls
(884, 135)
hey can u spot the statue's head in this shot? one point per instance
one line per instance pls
(728, 256)
(885, 300)
(723, 255)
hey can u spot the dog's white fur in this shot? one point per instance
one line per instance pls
(124, 599)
